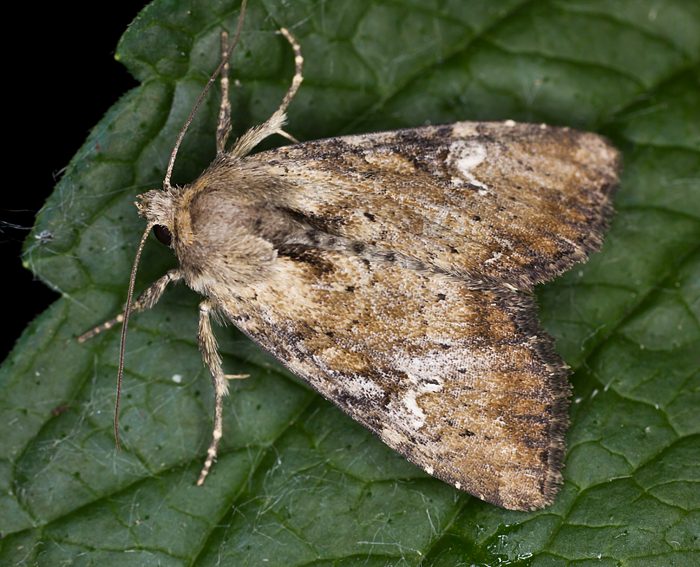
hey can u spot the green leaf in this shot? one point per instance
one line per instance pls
(297, 482)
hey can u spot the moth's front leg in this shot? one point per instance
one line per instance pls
(210, 354)
(145, 301)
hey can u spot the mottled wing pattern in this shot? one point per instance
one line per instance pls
(462, 382)
(396, 274)
(492, 201)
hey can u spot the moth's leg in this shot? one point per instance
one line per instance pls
(210, 354)
(223, 130)
(298, 66)
(145, 301)
(273, 125)
(296, 81)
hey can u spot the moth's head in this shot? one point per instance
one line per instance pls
(158, 208)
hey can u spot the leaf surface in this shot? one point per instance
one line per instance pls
(297, 482)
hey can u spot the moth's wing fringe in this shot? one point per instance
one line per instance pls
(558, 382)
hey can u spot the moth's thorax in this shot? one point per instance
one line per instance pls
(224, 234)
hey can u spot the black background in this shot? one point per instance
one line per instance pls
(60, 79)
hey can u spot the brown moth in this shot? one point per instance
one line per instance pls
(394, 272)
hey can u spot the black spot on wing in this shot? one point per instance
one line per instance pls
(312, 257)
(329, 224)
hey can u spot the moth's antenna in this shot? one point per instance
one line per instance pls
(200, 98)
(122, 344)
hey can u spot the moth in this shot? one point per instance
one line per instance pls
(393, 272)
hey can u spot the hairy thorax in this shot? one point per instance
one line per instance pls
(226, 239)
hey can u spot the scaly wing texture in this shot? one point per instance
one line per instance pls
(462, 382)
(402, 306)
(491, 201)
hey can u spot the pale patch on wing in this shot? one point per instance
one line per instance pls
(464, 158)
(425, 373)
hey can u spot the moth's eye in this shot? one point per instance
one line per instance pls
(163, 234)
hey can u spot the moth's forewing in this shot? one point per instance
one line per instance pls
(502, 201)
